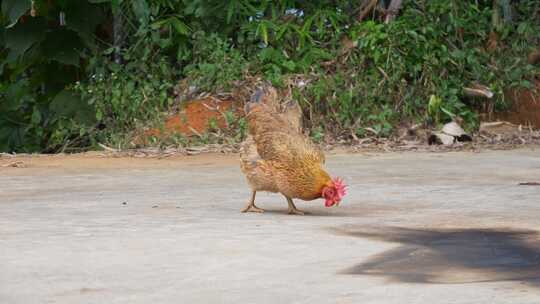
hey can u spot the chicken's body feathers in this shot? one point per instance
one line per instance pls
(276, 156)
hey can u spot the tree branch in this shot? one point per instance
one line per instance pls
(478, 90)
(393, 10)
(368, 7)
(534, 57)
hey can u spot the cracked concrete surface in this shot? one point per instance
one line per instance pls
(415, 228)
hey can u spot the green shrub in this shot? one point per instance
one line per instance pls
(65, 85)
(215, 64)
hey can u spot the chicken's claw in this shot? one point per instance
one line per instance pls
(292, 207)
(295, 211)
(251, 205)
(252, 208)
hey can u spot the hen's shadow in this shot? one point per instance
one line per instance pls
(452, 256)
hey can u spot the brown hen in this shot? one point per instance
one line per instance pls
(277, 157)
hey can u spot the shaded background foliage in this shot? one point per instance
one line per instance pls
(78, 73)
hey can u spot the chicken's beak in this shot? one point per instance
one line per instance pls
(330, 203)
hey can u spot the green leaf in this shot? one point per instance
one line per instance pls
(22, 36)
(62, 45)
(2, 35)
(262, 31)
(83, 18)
(447, 112)
(99, 115)
(109, 51)
(434, 105)
(289, 65)
(180, 27)
(67, 104)
(15, 97)
(526, 84)
(64, 103)
(14, 9)
(141, 10)
(115, 4)
(5, 134)
(230, 10)
(36, 116)
(11, 136)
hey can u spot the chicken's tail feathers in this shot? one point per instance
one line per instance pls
(264, 94)
(293, 113)
(256, 98)
(257, 95)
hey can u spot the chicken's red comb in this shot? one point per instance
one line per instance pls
(340, 186)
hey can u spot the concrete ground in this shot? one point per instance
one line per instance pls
(415, 228)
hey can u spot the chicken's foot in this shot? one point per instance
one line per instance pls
(251, 205)
(292, 207)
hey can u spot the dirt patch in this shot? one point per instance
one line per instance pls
(196, 117)
(35, 164)
(525, 107)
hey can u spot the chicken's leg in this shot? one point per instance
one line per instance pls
(292, 207)
(251, 205)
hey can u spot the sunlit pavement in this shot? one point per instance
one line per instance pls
(414, 228)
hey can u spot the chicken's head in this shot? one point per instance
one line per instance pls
(334, 192)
